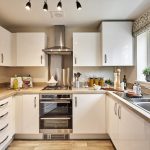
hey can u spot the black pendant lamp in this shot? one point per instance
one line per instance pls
(45, 6)
(28, 5)
(79, 7)
(59, 5)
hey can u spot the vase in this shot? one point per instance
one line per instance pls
(148, 78)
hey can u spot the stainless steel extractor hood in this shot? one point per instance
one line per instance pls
(59, 47)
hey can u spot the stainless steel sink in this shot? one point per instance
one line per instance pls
(139, 100)
(144, 105)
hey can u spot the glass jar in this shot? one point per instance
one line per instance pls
(101, 82)
(96, 80)
(91, 82)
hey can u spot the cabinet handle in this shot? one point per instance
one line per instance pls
(41, 59)
(4, 115)
(4, 128)
(3, 140)
(76, 102)
(119, 112)
(2, 58)
(105, 58)
(34, 102)
(2, 105)
(115, 108)
(75, 60)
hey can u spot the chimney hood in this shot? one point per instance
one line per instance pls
(59, 48)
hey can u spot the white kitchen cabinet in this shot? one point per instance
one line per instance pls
(28, 49)
(86, 49)
(116, 43)
(89, 113)
(5, 47)
(27, 114)
(126, 129)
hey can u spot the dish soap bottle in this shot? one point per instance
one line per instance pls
(15, 83)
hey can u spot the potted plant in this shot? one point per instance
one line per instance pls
(146, 72)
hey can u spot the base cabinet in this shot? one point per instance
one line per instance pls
(27, 114)
(89, 113)
(6, 122)
(126, 129)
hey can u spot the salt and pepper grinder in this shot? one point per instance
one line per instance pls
(118, 79)
(115, 80)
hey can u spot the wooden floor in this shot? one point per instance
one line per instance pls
(62, 145)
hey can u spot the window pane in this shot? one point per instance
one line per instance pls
(142, 54)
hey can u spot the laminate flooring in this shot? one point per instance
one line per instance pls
(61, 145)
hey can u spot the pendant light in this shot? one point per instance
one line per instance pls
(79, 7)
(59, 5)
(28, 5)
(45, 6)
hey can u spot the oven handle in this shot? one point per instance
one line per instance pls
(66, 118)
(55, 98)
(52, 102)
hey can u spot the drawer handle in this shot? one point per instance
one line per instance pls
(2, 105)
(4, 115)
(4, 128)
(3, 140)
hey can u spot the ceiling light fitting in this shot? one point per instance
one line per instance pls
(79, 7)
(28, 5)
(45, 6)
(59, 5)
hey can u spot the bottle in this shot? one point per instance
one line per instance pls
(15, 83)
(122, 86)
(125, 82)
(115, 80)
(135, 88)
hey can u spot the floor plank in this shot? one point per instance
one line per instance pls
(61, 145)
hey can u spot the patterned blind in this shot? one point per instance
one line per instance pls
(142, 24)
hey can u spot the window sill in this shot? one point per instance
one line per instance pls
(145, 84)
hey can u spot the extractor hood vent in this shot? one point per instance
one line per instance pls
(59, 47)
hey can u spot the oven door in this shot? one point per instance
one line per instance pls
(55, 114)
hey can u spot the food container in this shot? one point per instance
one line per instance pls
(91, 82)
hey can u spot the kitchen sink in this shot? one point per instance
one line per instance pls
(140, 100)
(144, 105)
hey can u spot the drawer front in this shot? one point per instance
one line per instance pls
(4, 132)
(4, 119)
(3, 106)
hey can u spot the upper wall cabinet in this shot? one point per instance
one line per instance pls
(5, 47)
(28, 48)
(117, 43)
(86, 49)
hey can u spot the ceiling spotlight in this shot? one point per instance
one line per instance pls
(28, 5)
(79, 7)
(45, 6)
(59, 5)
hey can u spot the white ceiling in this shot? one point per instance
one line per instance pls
(13, 12)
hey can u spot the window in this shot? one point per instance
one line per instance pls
(143, 54)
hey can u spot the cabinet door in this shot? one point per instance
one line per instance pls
(112, 120)
(89, 113)
(5, 47)
(117, 44)
(18, 114)
(30, 114)
(86, 49)
(132, 131)
(29, 49)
